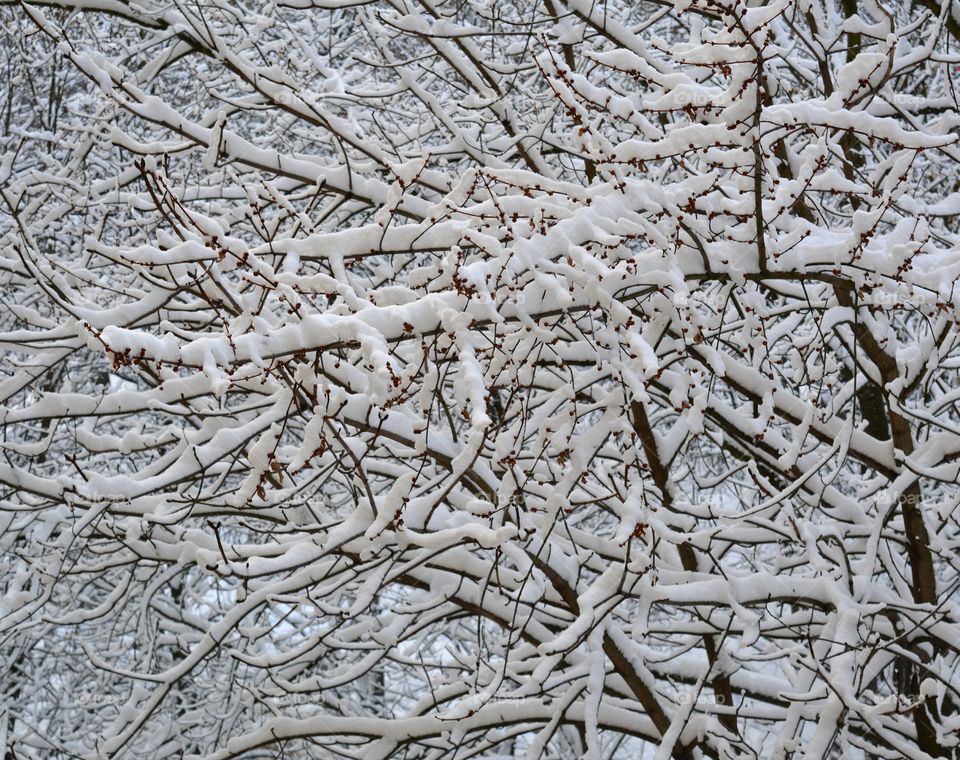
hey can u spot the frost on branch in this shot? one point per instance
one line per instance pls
(535, 379)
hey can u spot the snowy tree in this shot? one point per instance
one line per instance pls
(405, 378)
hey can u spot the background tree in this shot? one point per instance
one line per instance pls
(416, 379)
